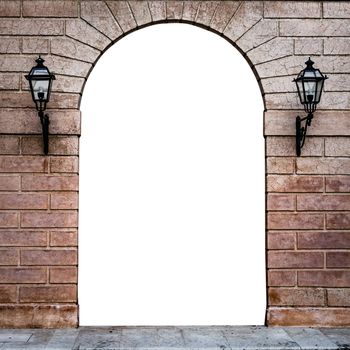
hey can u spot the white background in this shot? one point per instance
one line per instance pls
(172, 183)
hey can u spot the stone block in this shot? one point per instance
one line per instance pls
(50, 220)
(9, 257)
(206, 12)
(85, 33)
(338, 297)
(121, 11)
(64, 238)
(35, 45)
(174, 9)
(158, 10)
(64, 200)
(223, 15)
(289, 221)
(324, 240)
(23, 164)
(324, 278)
(323, 202)
(49, 257)
(9, 145)
(279, 165)
(9, 81)
(280, 202)
(296, 297)
(336, 9)
(63, 275)
(99, 16)
(48, 294)
(338, 184)
(64, 164)
(29, 26)
(74, 49)
(38, 316)
(10, 8)
(68, 84)
(8, 220)
(278, 84)
(8, 294)
(300, 260)
(282, 278)
(10, 45)
(292, 183)
(248, 14)
(23, 275)
(308, 46)
(190, 9)
(46, 8)
(140, 12)
(67, 66)
(323, 166)
(338, 259)
(337, 146)
(9, 183)
(292, 9)
(338, 221)
(23, 201)
(11, 238)
(337, 46)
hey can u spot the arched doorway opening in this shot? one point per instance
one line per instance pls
(172, 203)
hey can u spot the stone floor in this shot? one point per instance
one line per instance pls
(177, 338)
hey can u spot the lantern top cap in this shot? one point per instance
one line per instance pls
(40, 61)
(309, 63)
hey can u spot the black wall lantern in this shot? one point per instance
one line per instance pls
(310, 84)
(40, 82)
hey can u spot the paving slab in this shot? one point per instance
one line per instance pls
(177, 338)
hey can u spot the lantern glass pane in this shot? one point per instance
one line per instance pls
(300, 91)
(40, 89)
(319, 90)
(310, 85)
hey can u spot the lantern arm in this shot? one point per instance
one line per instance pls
(301, 131)
(44, 119)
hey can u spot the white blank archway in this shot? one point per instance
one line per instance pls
(172, 191)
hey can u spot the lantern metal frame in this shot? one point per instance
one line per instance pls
(41, 73)
(308, 75)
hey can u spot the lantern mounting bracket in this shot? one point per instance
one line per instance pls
(301, 131)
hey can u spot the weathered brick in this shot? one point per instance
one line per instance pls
(248, 14)
(174, 9)
(337, 146)
(9, 183)
(23, 275)
(63, 275)
(9, 81)
(64, 238)
(39, 316)
(121, 11)
(206, 11)
(53, 219)
(190, 9)
(337, 46)
(9, 145)
(158, 10)
(52, 294)
(20, 121)
(49, 257)
(64, 200)
(324, 278)
(315, 27)
(308, 46)
(337, 259)
(261, 32)
(282, 278)
(35, 45)
(9, 238)
(223, 14)
(293, 183)
(69, 101)
(57, 145)
(282, 123)
(287, 259)
(280, 202)
(9, 257)
(324, 240)
(285, 146)
(10, 8)
(338, 221)
(15, 99)
(287, 100)
(289, 9)
(23, 201)
(141, 12)
(296, 297)
(23, 164)
(338, 297)
(280, 165)
(74, 49)
(291, 221)
(308, 317)
(340, 83)
(338, 184)
(49, 183)
(8, 294)
(98, 15)
(8, 219)
(31, 26)
(82, 31)
(275, 48)
(68, 84)
(323, 202)
(281, 240)
(10, 45)
(64, 165)
(46, 8)
(336, 9)
(323, 165)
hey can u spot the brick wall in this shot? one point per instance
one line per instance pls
(308, 201)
